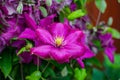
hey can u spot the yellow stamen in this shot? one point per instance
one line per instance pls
(58, 41)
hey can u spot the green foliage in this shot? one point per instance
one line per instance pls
(58, 1)
(94, 61)
(76, 14)
(34, 76)
(80, 74)
(43, 11)
(64, 72)
(101, 5)
(114, 32)
(110, 21)
(97, 43)
(49, 2)
(112, 70)
(6, 62)
(20, 7)
(97, 74)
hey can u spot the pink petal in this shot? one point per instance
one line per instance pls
(80, 62)
(30, 22)
(75, 50)
(88, 53)
(58, 29)
(41, 51)
(47, 21)
(110, 53)
(44, 36)
(60, 55)
(28, 34)
(74, 36)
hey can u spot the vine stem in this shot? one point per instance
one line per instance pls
(45, 67)
(38, 63)
(98, 18)
(21, 70)
(10, 78)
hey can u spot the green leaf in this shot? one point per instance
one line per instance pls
(83, 2)
(94, 61)
(76, 14)
(80, 74)
(43, 11)
(49, 2)
(101, 5)
(21, 50)
(110, 21)
(114, 32)
(20, 7)
(34, 76)
(116, 63)
(1, 26)
(97, 75)
(118, 1)
(64, 72)
(6, 63)
(58, 1)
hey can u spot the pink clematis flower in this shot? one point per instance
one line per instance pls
(57, 41)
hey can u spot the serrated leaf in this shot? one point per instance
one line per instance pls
(20, 7)
(6, 63)
(34, 76)
(48, 2)
(43, 11)
(64, 72)
(76, 14)
(114, 32)
(101, 5)
(80, 74)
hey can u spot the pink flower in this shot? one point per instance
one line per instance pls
(57, 41)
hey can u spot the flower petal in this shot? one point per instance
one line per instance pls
(88, 53)
(60, 55)
(26, 57)
(30, 22)
(58, 29)
(110, 53)
(80, 62)
(74, 36)
(75, 50)
(28, 34)
(47, 21)
(44, 36)
(41, 51)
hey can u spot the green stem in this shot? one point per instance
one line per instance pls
(98, 18)
(38, 63)
(10, 78)
(21, 70)
(45, 67)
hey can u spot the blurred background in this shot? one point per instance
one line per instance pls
(113, 10)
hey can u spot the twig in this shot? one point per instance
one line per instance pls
(45, 67)
(98, 18)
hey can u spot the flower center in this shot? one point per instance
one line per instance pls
(58, 41)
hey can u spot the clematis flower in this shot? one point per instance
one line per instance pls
(107, 44)
(57, 41)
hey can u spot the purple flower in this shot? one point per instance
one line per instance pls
(57, 41)
(57, 44)
(107, 44)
